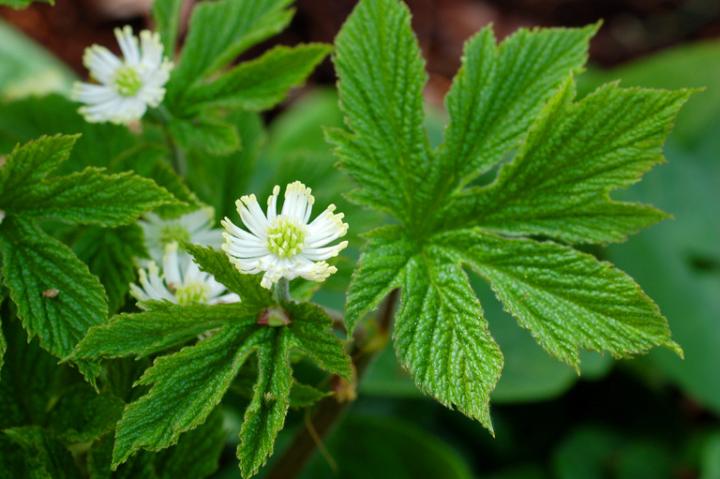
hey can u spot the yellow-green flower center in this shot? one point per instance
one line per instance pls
(174, 233)
(285, 238)
(127, 81)
(192, 293)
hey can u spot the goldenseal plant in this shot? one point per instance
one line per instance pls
(285, 245)
(126, 87)
(113, 267)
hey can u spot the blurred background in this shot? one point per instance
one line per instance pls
(651, 417)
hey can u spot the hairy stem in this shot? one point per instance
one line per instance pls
(331, 409)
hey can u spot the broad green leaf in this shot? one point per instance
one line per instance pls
(90, 196)
(110, 254)
(498, 92)
(164, 326)
(710, 465)
(166, 14)
(100, 144)
(575, 155)
(246, 286)
(26, 68)
(261, 83)
(184, 389)
(265, 415)
(311, 330)
(442, 338)
(378, 272)
(567, 299)
(220, 31)
(57, 298)
(391, 448)
(197, 453)
(82, 415)
(32, 162)
(44, 456)
(382, 76)
(206, 134)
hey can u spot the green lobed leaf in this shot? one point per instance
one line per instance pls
(28, 119)
(246, 286)
(44, 456)
(511, 102)
(498, 92)
(575, 154)
(381, 79)
(33, 161)
(220, 31)
(311, 330)
(110, 254)
(567, 299)
(90, 196)
(442, 338)
(166, 14)
(261, 83)
(185, 388)
(165, 325)
(265, 415)
(379, 271)
(197, 453)
(57, 298)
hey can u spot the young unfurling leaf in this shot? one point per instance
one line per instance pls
(514, 100)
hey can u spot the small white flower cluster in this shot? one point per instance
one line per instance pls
(125, 87)
(180, 280)
(284, 245)
(195, 227)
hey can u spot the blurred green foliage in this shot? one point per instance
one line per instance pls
(652, 417)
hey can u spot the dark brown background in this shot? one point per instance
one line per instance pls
(632, 28)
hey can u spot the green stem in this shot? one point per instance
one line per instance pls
(282, 291)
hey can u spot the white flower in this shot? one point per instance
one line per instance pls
(2, 216)
(180, 282)
(284, 245)
(127, 86)
(195, 227)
